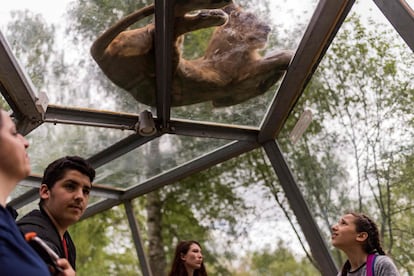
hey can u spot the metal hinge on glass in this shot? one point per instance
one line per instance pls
(42, 102)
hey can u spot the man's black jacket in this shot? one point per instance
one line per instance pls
(39, 222)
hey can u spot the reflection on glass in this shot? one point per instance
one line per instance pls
(49, 142)
(27, 208)
(104, 244)
(288, 21)
(35, 204)
(3, 103)
(69, 75)
(233, 209)
(153, 158)
(18, 191)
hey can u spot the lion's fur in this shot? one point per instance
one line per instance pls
(231, 70)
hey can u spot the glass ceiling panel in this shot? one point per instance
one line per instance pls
(121, 257)
(288, 22)
(35, 203)
(3, 103)
(68, 74)
(27, 208)
(231, 211)
(18, 191)
(49, 142)
(357, 148)
(71, 77)
(153, 158)
(357, 152)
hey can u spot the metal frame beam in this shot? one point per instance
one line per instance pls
(56, 114)
(118, 149)
(300, 208)
(18, 90)
(220, 155)
(164, 35)
(326, 20)
(136, 236)
(34, 181)
(401, 16)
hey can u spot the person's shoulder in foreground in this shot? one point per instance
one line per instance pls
(16, 256)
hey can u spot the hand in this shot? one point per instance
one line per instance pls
(67, 269)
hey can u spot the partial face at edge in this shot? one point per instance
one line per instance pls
(14, 160)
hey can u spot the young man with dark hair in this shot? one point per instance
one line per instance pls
(64, 195)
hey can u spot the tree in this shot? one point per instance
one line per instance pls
(359, 95)
(160, 205)
(276, 262)
(103, 245)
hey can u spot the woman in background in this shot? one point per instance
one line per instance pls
(357, 236)
(16, 256)
(188, 260)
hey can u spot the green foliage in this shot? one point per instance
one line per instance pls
(30, 46)
(199, 204)
(277, 262)
(3, 104)
(358, 97)
(357, 153)
(195, 43)
(90, 18)
(400, 233)
(104, 245)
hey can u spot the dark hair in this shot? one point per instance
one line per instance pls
(372, 244)
(178, 268)
(57, 169)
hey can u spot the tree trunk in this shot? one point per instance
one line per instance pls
(153, 207)
(156, 246)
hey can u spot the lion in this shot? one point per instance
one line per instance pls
(231, 70)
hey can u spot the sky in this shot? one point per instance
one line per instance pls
(52, 10)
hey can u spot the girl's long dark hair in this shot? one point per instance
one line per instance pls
(372, 244)
(178, 268)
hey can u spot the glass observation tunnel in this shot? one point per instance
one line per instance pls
(333, 132)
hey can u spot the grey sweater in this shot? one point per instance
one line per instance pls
(383, 266)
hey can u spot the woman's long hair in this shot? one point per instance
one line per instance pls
(372, 244)
(178, 268)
